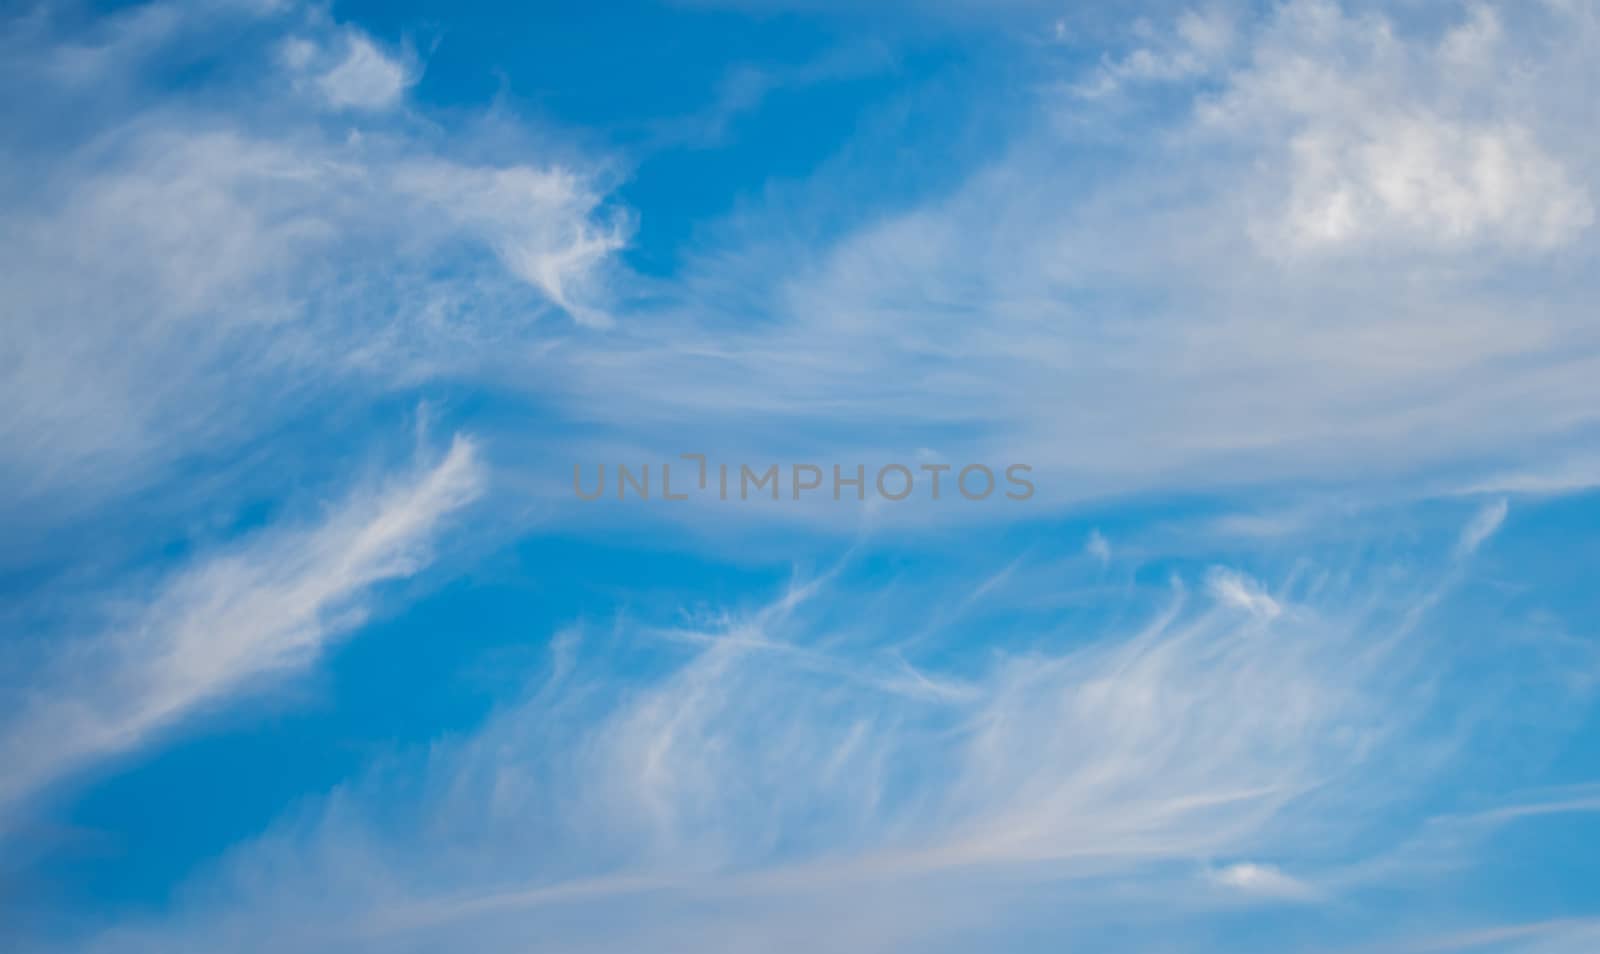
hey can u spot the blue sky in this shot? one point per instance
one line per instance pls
(313, 312)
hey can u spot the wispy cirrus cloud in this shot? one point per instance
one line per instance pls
(1556, 936)
(1330, 245)
(189, 269)
(265, 605)
(1342, 248)
(775, 769)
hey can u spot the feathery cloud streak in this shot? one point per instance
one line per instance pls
(266, 605)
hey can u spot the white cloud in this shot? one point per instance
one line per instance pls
(1577, 935)
(770, 770)
(1386, 143)
(1575, 474)
(1289, 300)
(1432, 183)
(181, 271)
(1098, 547)
(1483, 526)
(1241, 592)
(265, 606)
(1198, 44)
(1174, 318)
(365, 78)
(1261, 880)
(542, 223)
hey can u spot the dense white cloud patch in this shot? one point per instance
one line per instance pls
(1381, 142)
(1431, 182)
(1264, 881)
(345, 69)
(364, 78)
